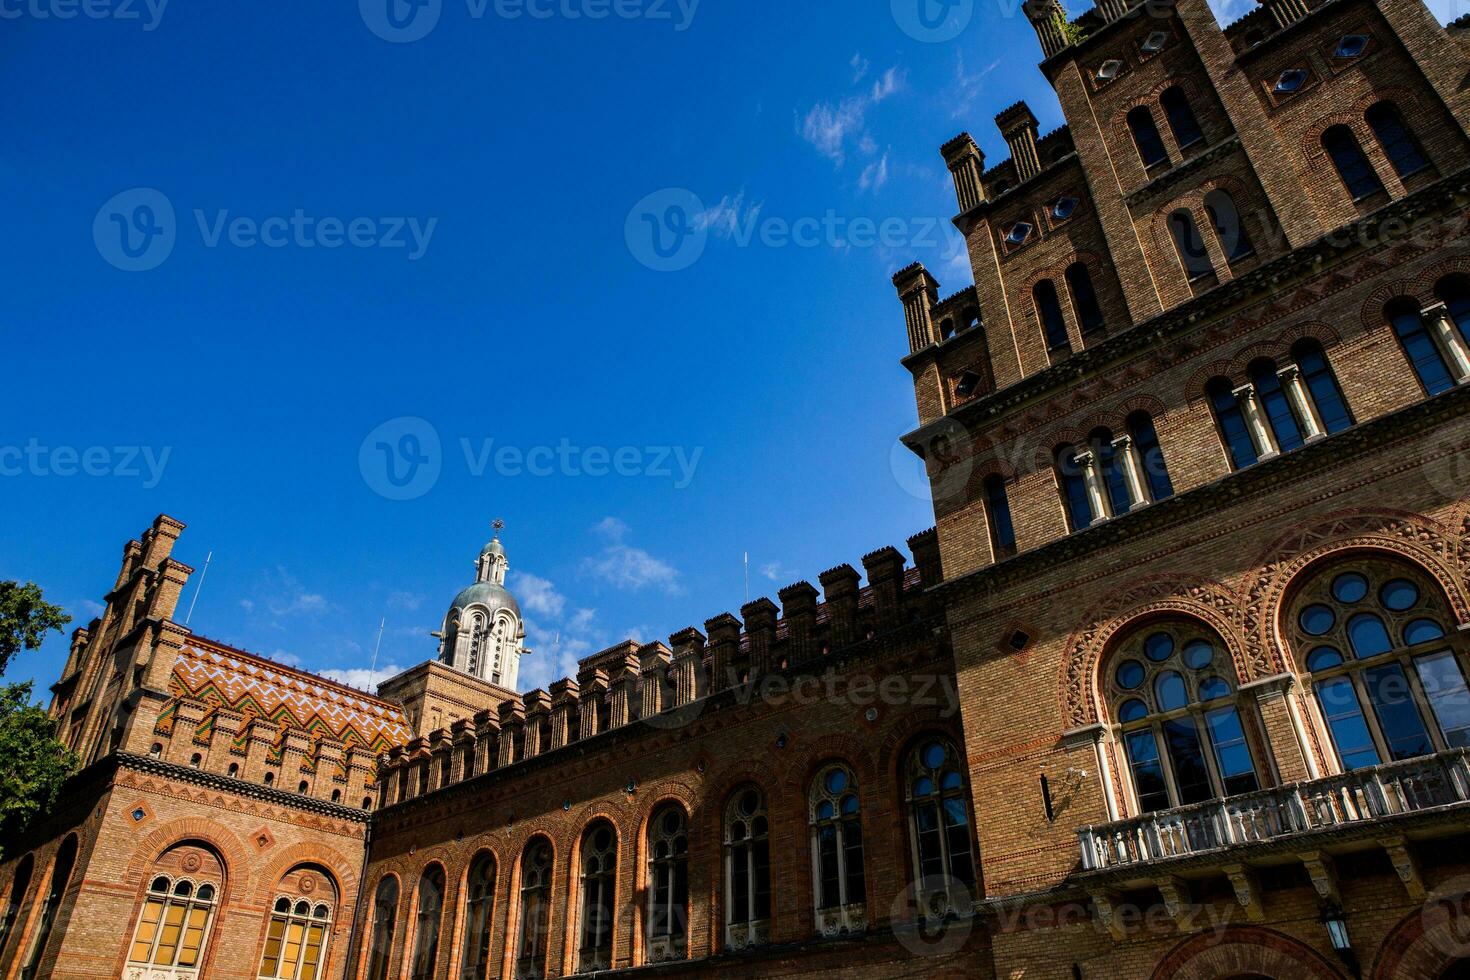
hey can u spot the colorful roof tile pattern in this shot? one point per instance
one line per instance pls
(221, 676)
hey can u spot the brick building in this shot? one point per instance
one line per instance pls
(1176, 687)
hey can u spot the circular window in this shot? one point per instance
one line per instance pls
(934, 755)
(1198, 654)
(1129, 675)
(1323, 658)
(1132, 710)
(1317, 619)
(1159, 647)
(750, 802)
(1213, 687)
(1399, 594)
(1349, 587)
(836, 781)
(1422, 631)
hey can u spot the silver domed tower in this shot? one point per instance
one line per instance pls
(483, 632)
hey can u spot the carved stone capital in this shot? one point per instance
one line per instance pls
(1406, 865)
(1247, 890)
(1323, 874)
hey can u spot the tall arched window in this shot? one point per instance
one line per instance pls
(1112, 465)
(296, 940)
(535, 910)
(1233, 427)
(1146, 137)
(1171, 691)
(1191, 247)
(426, 924)
(1374, 633)
(747, 870)
(998, 517)
(1149, 456)
(385, 917)
(1352, 165)
(837, 852)
(1324, 395)
(479, 906)
(1073, 480)
(1181, 117)
(668, 884)
(1276, 405)
(1454, 293)
(599, 880)
(1049, 314)
(61, 869)
(20, 883)
(1225, 220)
(1084, 298)
(939, 826)
(477, 643)
(1397, 141)
(173, 926)
(1423, 352)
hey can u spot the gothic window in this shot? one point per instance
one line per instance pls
(837, 851)
(61, 868)
(668, 884)
(1171, 692)
(296, 940)
(1389, 681)
(1181, 118)
(1225, 220)
(1113, 476)
(20, 883)
(1352, 165)
(998, 517)
(1394, 137)
(599, 878)
(385, 918)
(173, 925)
(426, 924)
(479, 906)
(939, 826)
(1231, 421)
(747, 869)
(1084, 298)
(1146, 137)
(1049, 314)
(1190, 246)
(535, 910)
(1281, 408)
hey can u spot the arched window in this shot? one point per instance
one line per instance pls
(1397, 141)
(477, 643)
(1049, 314)
(1352, 165)
(1148, 456)
(20, 883)
(1231, 420)
(426, 924)
(296, 940)
(1084, 298)
(837, 852)
(747, 870)
(1373, 633)
(385, 917)
(535, 910)
(1323, 392)
(998, 517)
(599, 879)
(1181, 118)
(1146, 137)
(1454, 293)
(61, 868)
(1420, 347)
(1225, 220)
(479, 905)
(668, 884)
(173, 925)
(1276, 405)
(1112, 466)
(1191, 247)
(1171, 690)
(1073, 480)
(939, 827)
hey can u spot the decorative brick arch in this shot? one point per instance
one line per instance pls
(229, 848)
(1428, 939)
(1159, 596)
(1311, 145)
(330, 860)
(1244, 950)
(906, 731)
(829, 748)
(1435, 549)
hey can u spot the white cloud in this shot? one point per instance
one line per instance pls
(91, 607)
(967, 87)
(361, 677)
(247, 605)
(410, 601)
(537, 594)
(285, 596)
(285, 658)
(860, 67)
(727, 218)
(625, 567)
(774, 570)
(829, 127)
(875, 175)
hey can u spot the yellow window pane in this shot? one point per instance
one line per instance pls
(147, 929)
(193, 937)
(270, 963)
(292, 950)
(168, 939)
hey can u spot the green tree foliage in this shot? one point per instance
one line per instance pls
(36, 764)
(25, 619)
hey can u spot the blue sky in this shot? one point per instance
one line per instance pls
(258, 252)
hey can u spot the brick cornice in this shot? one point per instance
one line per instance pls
(109, 766)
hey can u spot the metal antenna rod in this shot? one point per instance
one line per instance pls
(198, 588)
(373, 671)
(747, 576)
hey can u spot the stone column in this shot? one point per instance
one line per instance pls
(1132, 471)
(1447, 335)
(1301, 403)
(1097, 497)
(1255, 422)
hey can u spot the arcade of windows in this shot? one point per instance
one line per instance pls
(1436, 340)
(1111, 476)
(940, 839)
(1279, 407)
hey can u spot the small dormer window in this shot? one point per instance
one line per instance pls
(1064, 208)
(1291, 80)
(1351, 45)
(1155, 42)
(1108, 70)
(968, 384)
(1020, 231)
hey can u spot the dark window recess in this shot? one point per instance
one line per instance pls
(1350, 46)
(1290, 81)
(1181, 118)
(1049, 312)
(1352, 166)
(1225, 219)
(1020, 639)
(998, 513)
(1020, 231)
(1146, 137)
(1063, 208)
(1084, 298)
(1191, 246)
(968, 384)
(1046, 799)
(1398, 143)
(1423, 353)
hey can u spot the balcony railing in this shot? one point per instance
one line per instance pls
(1411, 786)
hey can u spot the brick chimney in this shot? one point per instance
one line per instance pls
(1049, 19)
(1018, 126)
(918, 291)
(967, 165)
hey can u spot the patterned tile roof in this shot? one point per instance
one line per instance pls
(257, 687)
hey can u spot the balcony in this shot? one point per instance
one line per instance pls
(1395, 790)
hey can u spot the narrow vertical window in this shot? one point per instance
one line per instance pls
(1049, 314)
(1423, 353)
(1150, 456)
(747, 870)
(1191, 247)
(939, 826)
(1352, 165)
(479, 906)
(1146, 137)
(295, 940)
(1074, 488)
(20, 883)
(535, 910)
(1228, 228)
(998, 515)
(426, 924)
(1231, 420)
(1276, 405)
(385, 917)
(1181, 118)
(1111, 465)
(1322, 386)
(599, 875)
(668, 886)
(837, 852)
(1397, 141)
(1084, 298)
(1454, 292)
(61, 869)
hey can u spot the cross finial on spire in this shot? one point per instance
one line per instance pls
(497, 525)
